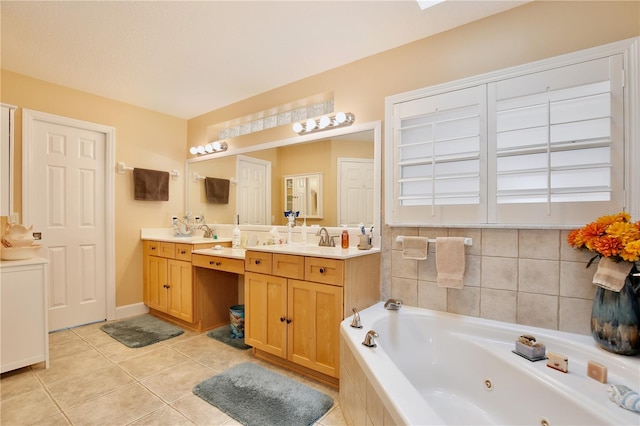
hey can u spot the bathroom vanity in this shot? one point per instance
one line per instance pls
(297, 295)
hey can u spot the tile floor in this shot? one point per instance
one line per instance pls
(94, 380)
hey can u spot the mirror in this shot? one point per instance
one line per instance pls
(347, 159)
(303, 194)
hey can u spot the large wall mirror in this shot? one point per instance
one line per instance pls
(347, 162)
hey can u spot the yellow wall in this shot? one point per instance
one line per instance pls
(151, 140)
(144, 139)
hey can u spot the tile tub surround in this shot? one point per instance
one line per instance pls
(523, 276)
(93, 379)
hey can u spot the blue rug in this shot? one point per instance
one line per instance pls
(141, 331)
(255, 396)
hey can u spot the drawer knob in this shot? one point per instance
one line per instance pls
(153, 248)
(281, 319)
(257, 261)
(183, 252)
(322, 270)
(218, 263)
(288, 321)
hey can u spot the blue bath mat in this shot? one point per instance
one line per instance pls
(255, 396)
(141, 331)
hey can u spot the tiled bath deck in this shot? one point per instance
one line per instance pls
(95, 380)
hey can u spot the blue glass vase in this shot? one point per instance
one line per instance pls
(615, 317)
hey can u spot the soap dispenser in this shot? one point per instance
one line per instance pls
(345, 237)
(236, 238)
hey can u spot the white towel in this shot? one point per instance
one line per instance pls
(450, 261)
(415, 248)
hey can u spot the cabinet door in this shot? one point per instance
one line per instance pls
(180, 291)
(315, 311)
(156, 282)
(265, 324)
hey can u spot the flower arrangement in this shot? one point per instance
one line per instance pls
(613, 236)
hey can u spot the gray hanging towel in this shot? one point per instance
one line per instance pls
(217, 190)
(150, 185)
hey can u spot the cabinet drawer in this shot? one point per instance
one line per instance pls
(326, 271)
(257, 261)
(289, 266)
(151, 248)
(167, 250)
(183, 252)
(219, 263)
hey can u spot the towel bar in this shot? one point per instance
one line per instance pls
(122, 168)
(197, 176)
(467, 241)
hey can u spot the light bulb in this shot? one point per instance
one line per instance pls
(193, 150)
(311, 124)
(201, 149)
(324, 121)
(215, 146)
(341, 117)
(209, 148)
(297, 127)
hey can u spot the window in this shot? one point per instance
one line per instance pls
(538, 145)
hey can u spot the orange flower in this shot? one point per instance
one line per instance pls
(609, 236)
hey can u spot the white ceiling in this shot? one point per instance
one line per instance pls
(186, 58)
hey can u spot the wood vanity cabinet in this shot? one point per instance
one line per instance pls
(167, 275)
(294, 305)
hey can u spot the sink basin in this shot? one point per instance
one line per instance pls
(19, 253)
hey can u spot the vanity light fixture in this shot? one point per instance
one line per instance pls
(210, 148)
(326, 122)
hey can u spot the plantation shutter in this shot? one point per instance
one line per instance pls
(556, 144)
(439, 158)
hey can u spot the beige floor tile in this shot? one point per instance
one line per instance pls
(223, 358)
(199, 411)
(68, 347)
(333, 418)
(116, 408)
(62, 336)
(17, 382)
(178, 381)
(91, 385)
(71, 366)
(55, 420)
(98, 338)
(27, 408)
(117, 352)
(88, 328)
(167, 415)
(196, 346)
(151, 363)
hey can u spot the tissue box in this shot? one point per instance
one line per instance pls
(532, 353)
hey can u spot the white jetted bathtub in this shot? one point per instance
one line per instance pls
(432, 367)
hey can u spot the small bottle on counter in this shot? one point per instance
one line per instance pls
(345, 238)
(236, 236)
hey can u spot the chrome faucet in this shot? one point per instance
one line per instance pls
(208, 232)
(393, 304)
(326, 240)
(369, 339)
(355, 322)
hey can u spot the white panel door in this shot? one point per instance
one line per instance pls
(356, 194)
(254, 192)
(66, 204)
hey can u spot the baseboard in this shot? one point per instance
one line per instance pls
(131, 310)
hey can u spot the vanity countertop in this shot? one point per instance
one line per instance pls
(232, 253)
(315, 250)
(167, 235)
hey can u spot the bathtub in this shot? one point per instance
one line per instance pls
(433, 367)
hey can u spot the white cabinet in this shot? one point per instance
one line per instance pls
(24, 337)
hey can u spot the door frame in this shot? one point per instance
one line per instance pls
(28, 118)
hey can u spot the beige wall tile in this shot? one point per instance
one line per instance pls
(498, 305)
(474, 234)
(539, 244)
(427, 267)
(430, 296)
(500, 273)
(539, 276)
(538, 310)
(465, 301)
(576, 280)
(569, 253)
(403, 268)
(406, 290)
(472, 271)
(375, 408)
(575, 315)
(500, 242)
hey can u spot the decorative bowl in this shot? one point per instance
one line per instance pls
(19, 253)
(18, 236)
